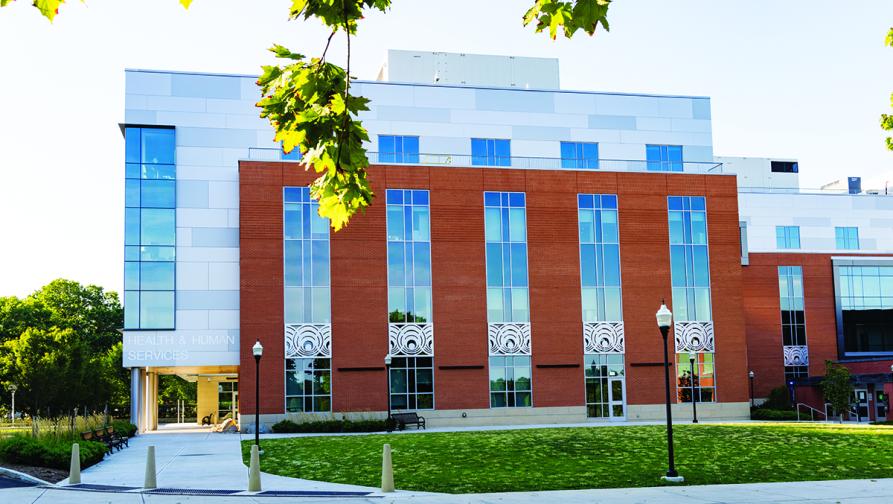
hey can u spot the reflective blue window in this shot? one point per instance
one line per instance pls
(689, 258)
(579, 155)
(294, 155)
(490, 152)
(664, 158)
(505, 232)
(787, 237)
(398, 149)
(409, 256)
(150, 198)
(306, 257)
(846, 238)
(599, 257)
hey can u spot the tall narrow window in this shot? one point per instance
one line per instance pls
(579, 155)
(690, 274)
(793, 322)
(410, 310)
(307, 303)
(787, 237)
(508, 310)
(398, 149)
(664, 158)
(846, 238)
(150, 234)
(490, 152)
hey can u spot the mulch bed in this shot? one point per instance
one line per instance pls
(44, 473)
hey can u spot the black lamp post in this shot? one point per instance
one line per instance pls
(664, 319)
(750, 374)
(694, 399)
(258, 351)
(387, 373)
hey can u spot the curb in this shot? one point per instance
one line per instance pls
(9, 473)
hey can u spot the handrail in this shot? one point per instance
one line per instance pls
(812, 412)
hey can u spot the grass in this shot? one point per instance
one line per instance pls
(599, 457)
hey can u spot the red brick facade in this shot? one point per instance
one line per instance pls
(359, 282)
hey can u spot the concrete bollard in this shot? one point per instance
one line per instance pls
(150, 481)
(74, 473)
(254, 470)
(387, 470)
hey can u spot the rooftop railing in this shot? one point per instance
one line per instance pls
(517, 162)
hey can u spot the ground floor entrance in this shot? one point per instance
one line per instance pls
(202, 395)
(605, 387)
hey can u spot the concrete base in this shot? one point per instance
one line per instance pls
(673, 479)
(683, 412)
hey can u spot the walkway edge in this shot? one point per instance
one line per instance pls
(10, 473)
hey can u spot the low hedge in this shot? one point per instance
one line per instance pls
(773, 414)
(124, 428)
(329, 426)
(48, 452)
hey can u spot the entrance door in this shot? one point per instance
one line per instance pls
(618, 398)
(860, 405)
(882, 405)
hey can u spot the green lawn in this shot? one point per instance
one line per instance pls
(600, 457)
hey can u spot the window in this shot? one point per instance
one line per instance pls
(846, 238)
(604, 392)
(790, 288)
(150, 231)
(227, 399)
(306, 257)
(794, 372)
(510, 384)
(701, 384)
(308, 385)
(579, 156)
(599, 257)
(294, 155)
(490, 152)
(787, 237)
(784, 167)
(398, 149)
(866, 303)
(409, 256)
(505, 223)
(412, 383)
(689, 261)
(664, 158)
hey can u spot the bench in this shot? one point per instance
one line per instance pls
(107, 436)
(118, 439)
(404, 419)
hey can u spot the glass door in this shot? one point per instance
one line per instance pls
(618, 398)
(881, 404)
(605, 386)
(860, 405)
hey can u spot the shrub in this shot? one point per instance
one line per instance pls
(364, 425)
(329, 426)
(48, 452)
(124, 428)
(773, 414)
(779, 399)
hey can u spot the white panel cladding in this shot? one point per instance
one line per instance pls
(510, 338)
(603, 338)
(411, 339)
(308, 340)
(796, 355)
(817, 215)
(694, 337)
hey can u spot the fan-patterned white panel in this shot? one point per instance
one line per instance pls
(694, 337)
(511, 338)
(411, 339)
(796, 355)
(603, 337)
(308, 340)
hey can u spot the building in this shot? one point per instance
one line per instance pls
(521, 240)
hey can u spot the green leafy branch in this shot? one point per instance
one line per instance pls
(583, 15)
(887, 119)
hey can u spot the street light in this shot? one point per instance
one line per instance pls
(387, 373)
(12, 388)
(664, 319)
(258, 351)
(750, 374)
(694, 400)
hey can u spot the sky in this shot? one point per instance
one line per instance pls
(804, 79)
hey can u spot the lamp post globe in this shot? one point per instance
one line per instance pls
(12, 389)
(664, 319)
(692, 357)
(258, 351)
(387, 375)
(751, 374)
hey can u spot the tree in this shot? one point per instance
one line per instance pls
(89, 310)
(837, 388)
(309, 105)
(887, 119)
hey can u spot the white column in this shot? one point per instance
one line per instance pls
(135, 396)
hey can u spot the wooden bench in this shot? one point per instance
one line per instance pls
(404, 419)
(118, 439)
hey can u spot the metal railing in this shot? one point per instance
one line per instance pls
(518, 162)
(812, 412)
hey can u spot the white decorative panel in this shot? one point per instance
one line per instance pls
(603, 337)
(308, 340)
(411, 339)
(511, 338)
(694, 337)
(796, 355)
